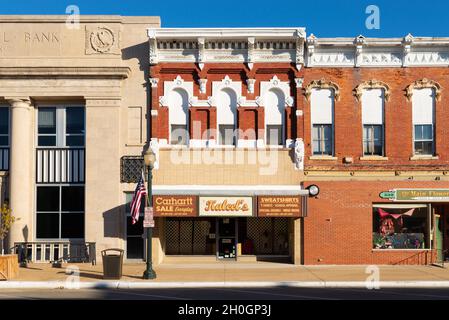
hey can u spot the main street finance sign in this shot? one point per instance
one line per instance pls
(417, 195)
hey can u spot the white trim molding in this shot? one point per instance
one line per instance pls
(421, 84)
(372, 84)
(227, 45)
(276, 84)
(177, 83)
(227, 83)
(322, 84)
(408, 51)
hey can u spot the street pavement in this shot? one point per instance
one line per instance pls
(229, 294)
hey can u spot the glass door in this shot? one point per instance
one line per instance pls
(227, 238)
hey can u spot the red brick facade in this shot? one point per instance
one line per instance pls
(398, 118)
(339, 227)
(248, 117)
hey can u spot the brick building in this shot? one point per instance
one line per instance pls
(356, 117)
(374, 121)
(224, 128)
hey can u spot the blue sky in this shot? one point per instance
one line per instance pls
(324, 18)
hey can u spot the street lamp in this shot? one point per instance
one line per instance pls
(314, 190)
(149, 158)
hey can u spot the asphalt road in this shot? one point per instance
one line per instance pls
(276, 293)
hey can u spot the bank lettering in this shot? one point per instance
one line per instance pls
(41, 37)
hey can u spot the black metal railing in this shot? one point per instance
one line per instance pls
(60, 165)
(4, 159)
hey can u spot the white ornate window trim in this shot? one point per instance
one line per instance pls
(372, 84)
(227, 83)
(322, 84)
(177, 83)
(275, 84)
(421, 84)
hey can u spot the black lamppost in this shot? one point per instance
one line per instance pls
(149, 159)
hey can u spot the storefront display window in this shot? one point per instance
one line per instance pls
(400, 228)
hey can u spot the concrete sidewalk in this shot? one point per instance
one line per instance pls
(231, 274)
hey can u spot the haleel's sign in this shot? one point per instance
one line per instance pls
(429, 195)
(226, 207)
(279, 206)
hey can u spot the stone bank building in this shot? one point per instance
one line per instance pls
(242, 122)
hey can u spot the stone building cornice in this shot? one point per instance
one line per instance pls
(408, 51)
(65, 72)
(227, 45)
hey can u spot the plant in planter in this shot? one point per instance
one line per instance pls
(6, 222)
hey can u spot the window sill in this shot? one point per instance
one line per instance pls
(423, 157)
(373, 158)
(327, 158)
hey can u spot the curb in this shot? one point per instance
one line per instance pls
(240, 284)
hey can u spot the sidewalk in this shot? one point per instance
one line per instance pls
(233, 274)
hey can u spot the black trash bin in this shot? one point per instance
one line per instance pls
(112, 263)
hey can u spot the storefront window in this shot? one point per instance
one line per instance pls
(400, 227)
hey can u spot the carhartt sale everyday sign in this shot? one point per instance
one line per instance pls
(226, 207)
(175, 206)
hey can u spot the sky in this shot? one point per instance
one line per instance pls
(324, 18)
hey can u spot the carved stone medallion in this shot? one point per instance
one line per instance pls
(102, 40)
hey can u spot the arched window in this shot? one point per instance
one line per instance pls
(226, 116)
(373, 121)
(274, 117)
(178, 116)
(322, 116)
(423, 102)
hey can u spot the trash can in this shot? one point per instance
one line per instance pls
(112, 263)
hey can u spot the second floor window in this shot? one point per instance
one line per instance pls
(373, 122)
(274, 135)
(274, 117)
(4, 127)
(373, 140)
(227, 135)
(227, 117)
(178, 134)
(322, 139)
(322, 117)
(61, 127)
(423, 102)
(178, 116)
(423, 141)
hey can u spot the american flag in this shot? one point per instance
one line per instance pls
(140, 192)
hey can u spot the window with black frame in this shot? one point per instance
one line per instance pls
(60, 212)
(61, 127)
(373, 140)
(4, 127)
(322, 139)
(423, 105)
(401, 227)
